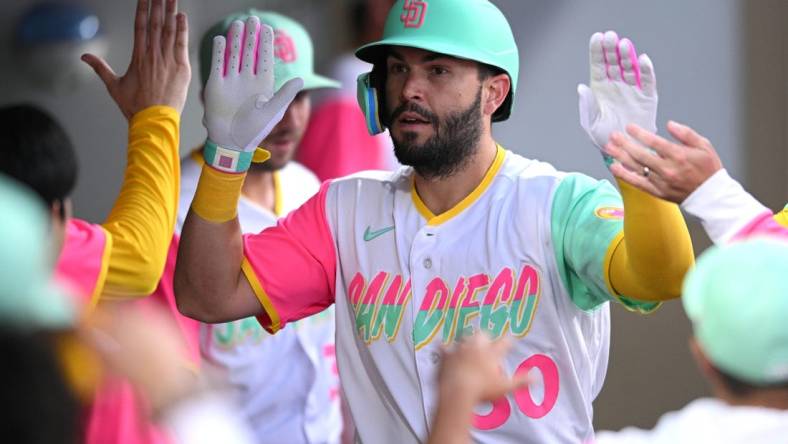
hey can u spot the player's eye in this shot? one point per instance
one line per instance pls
(397, 68)
(438, 70)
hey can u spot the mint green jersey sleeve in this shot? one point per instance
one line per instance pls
(587, 218)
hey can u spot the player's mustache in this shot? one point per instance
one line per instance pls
(414, 108)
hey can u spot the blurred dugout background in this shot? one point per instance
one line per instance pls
(720, 64)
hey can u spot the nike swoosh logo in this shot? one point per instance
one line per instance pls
(369, 234)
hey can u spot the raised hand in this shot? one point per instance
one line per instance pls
(623, 89)
(159, 71)
(241, 106)
(671, 171)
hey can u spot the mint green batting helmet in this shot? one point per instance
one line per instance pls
(468, 29)
(737, 301)
(293, 50)
(29, 298)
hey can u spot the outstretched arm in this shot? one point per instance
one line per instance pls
(649, 262)
(151, 96)
(241, 108)
(689, 172)
(209, 284)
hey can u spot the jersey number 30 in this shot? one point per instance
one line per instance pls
(502, 408)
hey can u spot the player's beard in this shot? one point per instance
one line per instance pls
(450, 149)
(268, 166)
(278, 161)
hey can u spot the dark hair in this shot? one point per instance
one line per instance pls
(40, 407)
(740, 388)
(35, 150)
(486, 71)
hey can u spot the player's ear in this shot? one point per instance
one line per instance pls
(60, 213)
(57, 212)
(495, 89)
(702, 361)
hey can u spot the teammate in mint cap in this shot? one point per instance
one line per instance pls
(297, 400)
(294, 58)
(467, 236)
(735, 298)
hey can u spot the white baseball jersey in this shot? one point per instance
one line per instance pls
(287, 385)
(709, 420)
(524, 255)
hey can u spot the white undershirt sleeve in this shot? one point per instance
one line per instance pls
(723, 206)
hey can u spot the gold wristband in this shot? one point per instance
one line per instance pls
(217, 195)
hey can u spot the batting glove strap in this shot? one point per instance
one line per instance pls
(225, 159)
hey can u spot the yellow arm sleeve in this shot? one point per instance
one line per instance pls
(217, 195)
(80, 364)
(143, 219)
(650, 261)
(782, 217)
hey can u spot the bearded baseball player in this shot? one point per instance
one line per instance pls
(467, 236)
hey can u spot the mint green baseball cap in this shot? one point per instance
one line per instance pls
(293, 50)
(468, 29)
(737, 300)
(29, 298)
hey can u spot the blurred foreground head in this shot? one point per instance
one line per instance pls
(736, 299)
(29, 298)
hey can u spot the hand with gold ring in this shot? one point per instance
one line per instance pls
(671, 171)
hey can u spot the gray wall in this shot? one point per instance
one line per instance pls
(96, 127)
(695, 47)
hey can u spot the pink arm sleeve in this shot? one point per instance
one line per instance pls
(763, 225)
(292, 266)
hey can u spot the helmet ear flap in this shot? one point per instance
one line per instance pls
(371, 99)
(367, 96)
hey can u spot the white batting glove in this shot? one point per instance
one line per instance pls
(241, 108)
(623, 90)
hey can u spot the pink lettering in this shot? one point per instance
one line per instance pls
(451, 314)
(431, 316)
(494, 319)
(551, 383)
(390, 313)
(356, 289)
(373, 292)
(523, 307)
(470, 304)
(501, 410)
(393, 291)
(475, 283)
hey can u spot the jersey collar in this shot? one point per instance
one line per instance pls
(432, 219)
